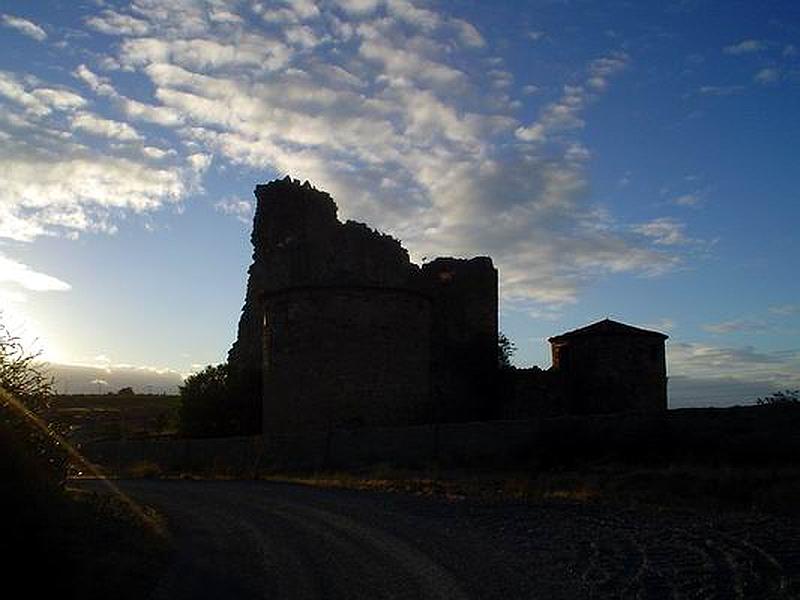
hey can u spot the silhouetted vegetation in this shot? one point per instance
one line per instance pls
(203, 411)
(33, 457)
(74, 546)
(784, 398)
(215, 403)
(505, 351)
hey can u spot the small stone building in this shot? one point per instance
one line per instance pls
(610, 367)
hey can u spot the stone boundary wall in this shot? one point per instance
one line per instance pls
(739, 435)
(415, 446)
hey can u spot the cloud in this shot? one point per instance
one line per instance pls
(707, 374)
(404, 124)
(785, 309)
(468, 33)
(768, 75)
(25, 27)
(85, 378)
(236, 207)
(36, 99)
(565, 114)
(745, 47)
(23, 276)
(736, 326)
(111, 22)
(721, 90)
(96, 125)
(690, 199)
(358, 7)
(663, 231)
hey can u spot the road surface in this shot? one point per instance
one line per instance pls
(238, 539)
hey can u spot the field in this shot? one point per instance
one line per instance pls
(91, 417)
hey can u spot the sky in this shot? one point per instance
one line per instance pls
(631, 160)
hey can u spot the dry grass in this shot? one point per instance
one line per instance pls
(677, 486)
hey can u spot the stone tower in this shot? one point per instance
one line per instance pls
(340, 329)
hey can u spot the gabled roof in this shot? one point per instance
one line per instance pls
(607, 327)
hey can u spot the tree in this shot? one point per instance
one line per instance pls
(203, 408)
(505, 350)
(785, 398)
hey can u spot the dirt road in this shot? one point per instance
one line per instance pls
(267, 540)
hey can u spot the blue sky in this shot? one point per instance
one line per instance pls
(627, 159)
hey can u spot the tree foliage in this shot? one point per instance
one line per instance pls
(29, 452)
(784, 398)
(203, 403)
(22, 374)
(505, 351)
(220, 402)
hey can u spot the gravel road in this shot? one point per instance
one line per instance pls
(238, 539)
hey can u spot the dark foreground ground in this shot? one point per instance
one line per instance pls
(238, 539)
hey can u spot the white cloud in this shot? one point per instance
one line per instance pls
(721, 90)
(85, 378)
(736, 326)
(420, 17)
(785, 309)
(36, 99)
(396, 112)
(768, 75)
(469, 34)
(236, 207)
(705, 373)
(22, 275)
(25, 27)
(691, 199)
(156, 153)
(663, 231)
(745, 47)
(305, 9)
(50, 184)
(96, 125)
(358, 7)
(114, 23)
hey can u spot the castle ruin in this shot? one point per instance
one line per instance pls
(341, 330)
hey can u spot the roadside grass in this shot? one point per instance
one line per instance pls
(769, 489)
(772, 490)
